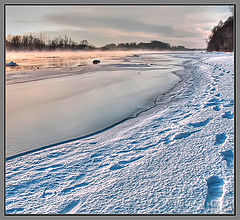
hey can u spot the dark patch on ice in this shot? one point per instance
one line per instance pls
(220, 138)
(228, 156)
(200, 124)
(228, 115)
(215, 189)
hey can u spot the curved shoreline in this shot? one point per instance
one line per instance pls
(133, 115)
(147, 107)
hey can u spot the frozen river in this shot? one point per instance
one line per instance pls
(44, 112)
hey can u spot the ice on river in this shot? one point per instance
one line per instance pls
(45, 112)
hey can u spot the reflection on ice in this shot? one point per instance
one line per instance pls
(58, 59)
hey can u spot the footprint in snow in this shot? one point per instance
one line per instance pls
(201, 123)
(228, 115)
(213, 102)
(220, 139)
(228, 157)
(184, 135)
(215, 191)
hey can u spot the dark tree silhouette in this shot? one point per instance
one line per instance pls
(30, 42)
(221, 37)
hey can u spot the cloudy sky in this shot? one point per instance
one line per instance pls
(178, 25)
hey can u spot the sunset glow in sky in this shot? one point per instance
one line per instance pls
(178, 25)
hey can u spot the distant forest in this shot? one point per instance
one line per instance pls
(31, 42)
(221, 37)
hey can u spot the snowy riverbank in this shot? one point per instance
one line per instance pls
(175, 158)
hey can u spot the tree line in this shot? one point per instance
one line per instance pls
(42, 42)
(221, 37)
(153, 45)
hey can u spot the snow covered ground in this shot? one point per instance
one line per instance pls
(175, 158)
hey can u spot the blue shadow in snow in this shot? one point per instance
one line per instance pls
(228, 156)
(215, 189)
(228, 115)
(200, 124)
(220, 138)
